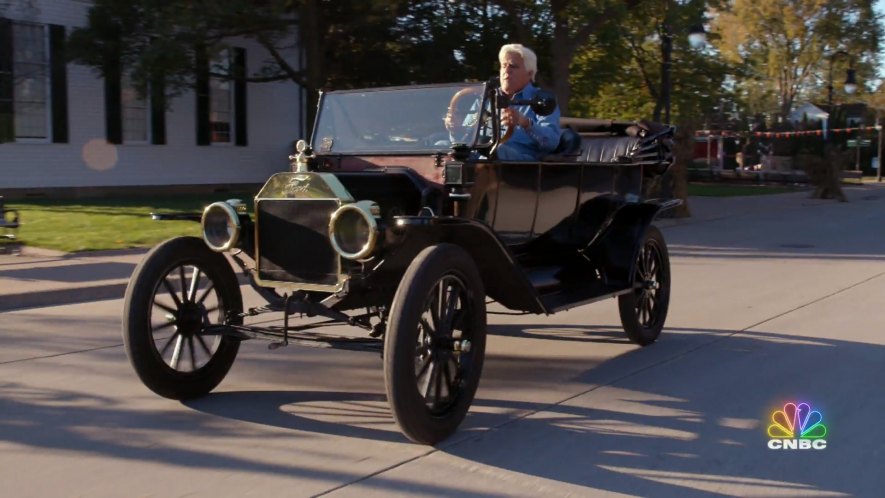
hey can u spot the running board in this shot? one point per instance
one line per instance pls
(296, 337)
(565, 300)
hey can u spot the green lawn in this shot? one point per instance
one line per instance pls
(731, 190)
(120, 223)
(98, 224)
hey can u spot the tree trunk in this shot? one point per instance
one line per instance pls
(563, 53)
(825, 174)
(663, 103)
(562, 59)
(313, 63)
(683, 152)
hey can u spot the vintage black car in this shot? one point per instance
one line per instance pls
(392, 222)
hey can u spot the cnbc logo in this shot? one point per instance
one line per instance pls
(797, 427)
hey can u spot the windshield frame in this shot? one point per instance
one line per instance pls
(321, 147)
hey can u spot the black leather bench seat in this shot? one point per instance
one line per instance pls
(608, 142)
(592, 147)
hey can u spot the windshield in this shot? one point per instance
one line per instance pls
(403, 119)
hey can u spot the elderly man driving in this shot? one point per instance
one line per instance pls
(534, 136)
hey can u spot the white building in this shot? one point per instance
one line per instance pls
(63, 125)
(808, 111)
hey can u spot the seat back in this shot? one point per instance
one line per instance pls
(613, 142)
(608, 148)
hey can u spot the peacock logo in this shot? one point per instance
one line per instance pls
(797, 426)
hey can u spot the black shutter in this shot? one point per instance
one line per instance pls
(240, 117)
(113, 107)
(58, 71)
(202, 89)
(158, 109)
(7, 118)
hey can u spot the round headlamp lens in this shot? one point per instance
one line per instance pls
(221, 226)
(354, 231)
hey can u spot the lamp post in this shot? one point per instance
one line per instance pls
(850, 81)
(878, 128)
(697, 37)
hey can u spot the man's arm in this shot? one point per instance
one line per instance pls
(544, 130)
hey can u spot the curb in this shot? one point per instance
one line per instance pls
(39, 252)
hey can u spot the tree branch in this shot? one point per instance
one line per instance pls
(296, 76)
(637, 56)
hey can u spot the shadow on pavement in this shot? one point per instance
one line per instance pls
(84, 272)
(702, 425)
(95, 425)
(587, 333)
(687, 430)
(664, 434)
(361, 413)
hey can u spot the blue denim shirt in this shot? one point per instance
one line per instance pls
(540, 139)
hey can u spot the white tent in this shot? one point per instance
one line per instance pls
(812, 112)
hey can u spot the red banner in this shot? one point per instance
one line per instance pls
(779, 134)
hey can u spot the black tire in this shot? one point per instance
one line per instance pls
(437, 341)
(644, 311)
(164, 289)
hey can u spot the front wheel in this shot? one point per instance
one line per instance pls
(435, 343)
(179, 289)
(644, 311)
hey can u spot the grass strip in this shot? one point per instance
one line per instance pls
(108, 223)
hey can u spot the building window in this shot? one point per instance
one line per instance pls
(30, 71)
(221, 97)
(220, 100)
(135, 111)
(33, 82)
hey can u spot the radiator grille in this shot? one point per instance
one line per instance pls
(293, 241)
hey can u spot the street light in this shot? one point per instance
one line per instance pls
(850, 81)
(697, 37)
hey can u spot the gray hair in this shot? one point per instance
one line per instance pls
(529, 59)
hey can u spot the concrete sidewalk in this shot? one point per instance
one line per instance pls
(38, 277)
(45, 278)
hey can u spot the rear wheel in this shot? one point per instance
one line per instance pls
(435, 343)
(644, 311)
(179, 289)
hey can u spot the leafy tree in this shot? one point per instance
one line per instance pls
(559, 29)
(343, 44)
(619, 73)
(786, 46)
(790, 51)
(156, 36)
(442, 41)
(465, 36)
(314, 43)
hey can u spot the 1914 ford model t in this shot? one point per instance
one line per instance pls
(388, 226)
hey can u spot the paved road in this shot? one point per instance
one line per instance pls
(768, 306)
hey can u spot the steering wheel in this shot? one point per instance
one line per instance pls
(459, 107)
